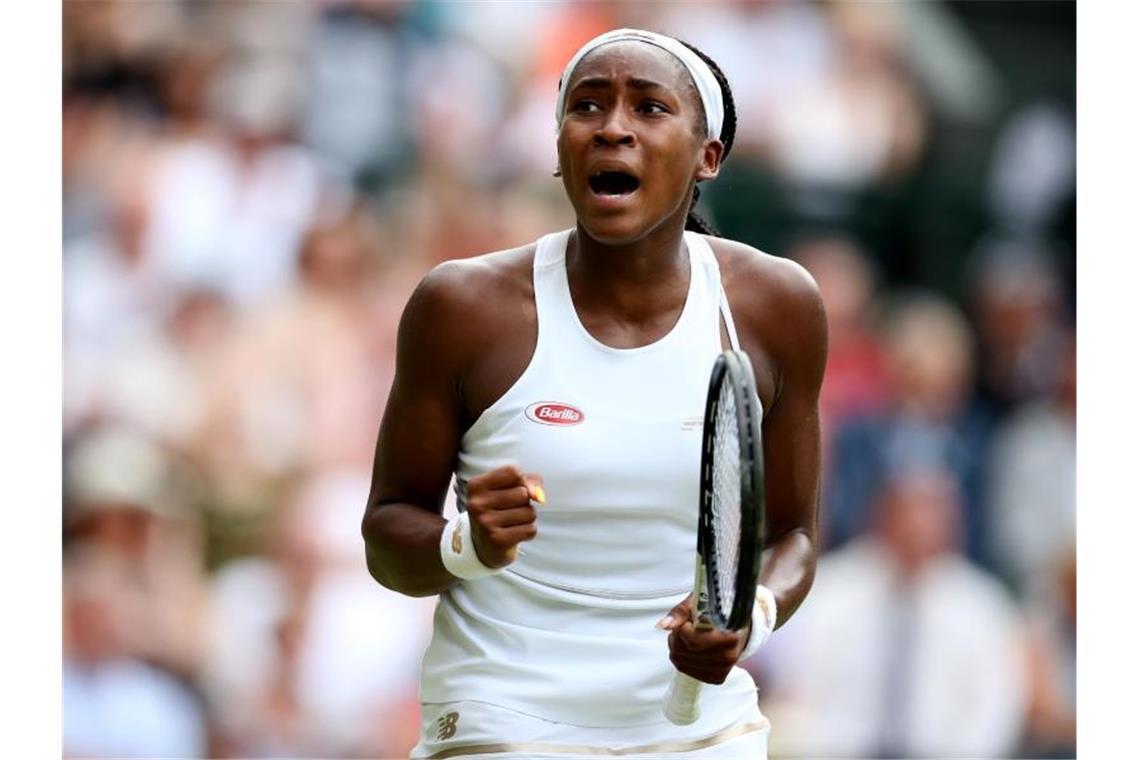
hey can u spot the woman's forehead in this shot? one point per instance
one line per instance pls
(632, 59)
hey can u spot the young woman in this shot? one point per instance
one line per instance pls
(563, 382)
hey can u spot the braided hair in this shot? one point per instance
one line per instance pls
(695, 221)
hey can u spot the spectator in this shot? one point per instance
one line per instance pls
(316, 666)
(903, 649)
(114, 703)
(124, 498)
(112, 293)
(355, 110)
(861, 122)
(228, 206)
(1033, 171)
(1051, 728)
(155, 377)
(929, 419)
(1019, 310)
(296, 372)
(855, 384)
(1033, 496)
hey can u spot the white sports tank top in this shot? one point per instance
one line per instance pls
(567, 631)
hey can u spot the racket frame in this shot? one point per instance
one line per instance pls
(682, 700)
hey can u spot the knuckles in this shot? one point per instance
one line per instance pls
(481, 503)
(711, 664)
(476, 504)
(495, 542)
(498, 538)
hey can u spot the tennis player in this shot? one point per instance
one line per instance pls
(563, 384)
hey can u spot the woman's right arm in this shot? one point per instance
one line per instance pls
(438, 339)
(418, 442)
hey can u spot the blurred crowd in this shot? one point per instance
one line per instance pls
(252, 190)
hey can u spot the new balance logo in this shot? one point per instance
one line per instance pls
(447, 725)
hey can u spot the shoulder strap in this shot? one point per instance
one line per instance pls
(698, 244)
(551, 249)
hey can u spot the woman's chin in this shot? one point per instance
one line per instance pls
(616, 229)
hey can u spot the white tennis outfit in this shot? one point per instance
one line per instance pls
(559, 654)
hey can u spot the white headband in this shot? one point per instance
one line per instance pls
(707, 86)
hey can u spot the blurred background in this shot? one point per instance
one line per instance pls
(251, 191)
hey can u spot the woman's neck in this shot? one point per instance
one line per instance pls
(653, 258)
(636, 280)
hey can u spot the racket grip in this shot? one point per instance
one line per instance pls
(682, 700)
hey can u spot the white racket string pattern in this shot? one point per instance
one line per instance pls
(726, 500)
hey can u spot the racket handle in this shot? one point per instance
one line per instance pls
(682, 700)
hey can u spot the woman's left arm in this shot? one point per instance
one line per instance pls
(784, 331)
(793, 332)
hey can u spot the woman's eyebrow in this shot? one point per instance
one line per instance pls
(644, 84)
(636, 83)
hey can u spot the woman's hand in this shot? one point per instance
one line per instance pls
(502, 516)
(705, 654)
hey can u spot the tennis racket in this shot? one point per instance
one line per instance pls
(730, 527)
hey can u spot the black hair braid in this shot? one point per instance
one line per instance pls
(695, 221)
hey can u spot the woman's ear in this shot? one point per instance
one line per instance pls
(711, 155)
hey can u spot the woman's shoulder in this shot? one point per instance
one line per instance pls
(767, 290)
(464, 303)
(750, 269)
(474, 286)
(776, 306)
(473, 279)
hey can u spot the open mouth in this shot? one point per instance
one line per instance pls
(613, 183)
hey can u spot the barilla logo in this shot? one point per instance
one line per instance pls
(553, 413)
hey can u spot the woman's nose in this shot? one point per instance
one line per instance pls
(614, 130)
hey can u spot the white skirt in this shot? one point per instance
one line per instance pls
(469, 730)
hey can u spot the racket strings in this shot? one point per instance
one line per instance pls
(726, 506)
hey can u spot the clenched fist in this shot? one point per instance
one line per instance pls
(501, 513)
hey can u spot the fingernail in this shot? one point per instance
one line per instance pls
(664, 622)
(538, 493)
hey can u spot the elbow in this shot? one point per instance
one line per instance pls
(376, 568)
(374, 559)
(384, 565)
(391, 579)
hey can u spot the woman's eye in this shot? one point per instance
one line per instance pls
(585, 106)
(653, 106)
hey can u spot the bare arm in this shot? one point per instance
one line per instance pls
(417, 445)
(797, 343)
(445, 332)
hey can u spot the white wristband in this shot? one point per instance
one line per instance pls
(457, 550)
(763, 621)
